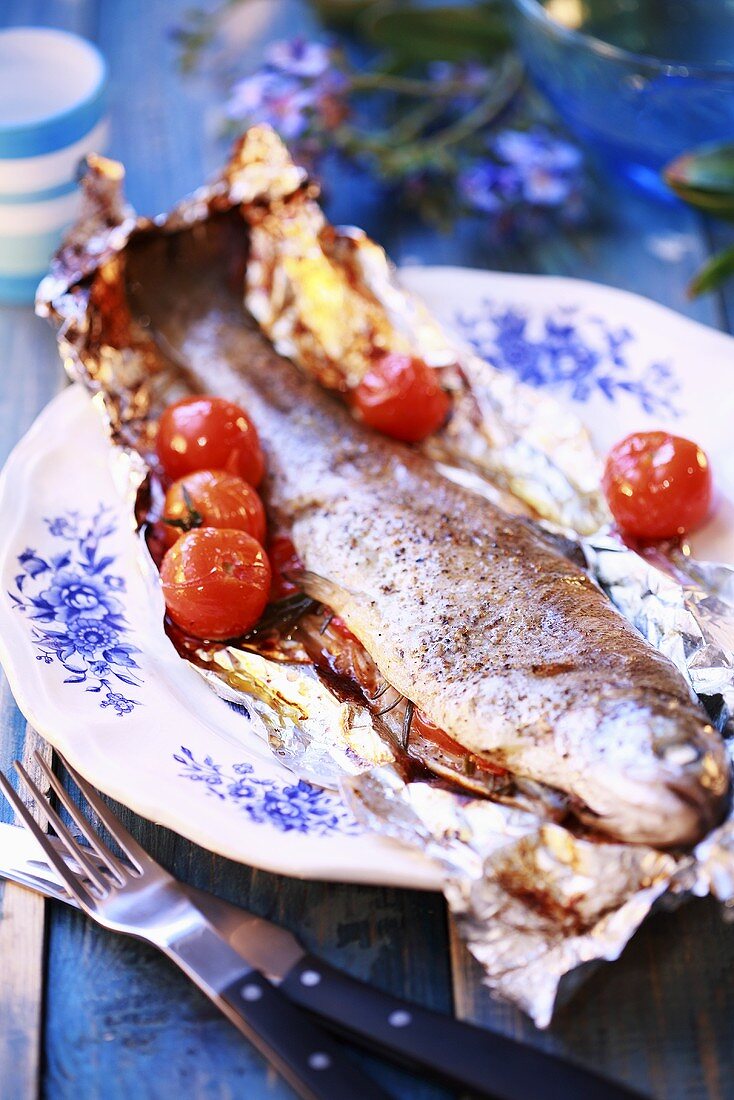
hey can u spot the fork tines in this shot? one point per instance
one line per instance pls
(94, 883)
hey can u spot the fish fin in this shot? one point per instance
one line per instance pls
(321, 589)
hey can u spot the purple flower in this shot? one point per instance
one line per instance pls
(72, 594)
(297, 90)
(299, 58)
(279, 100)
(117, 584)
(547, 168)
(469, 80)
(487, 187)
(536, 148)
(543, 188)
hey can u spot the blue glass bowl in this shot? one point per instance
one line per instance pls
(639, 81)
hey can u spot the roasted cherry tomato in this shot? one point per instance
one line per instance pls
(215, 583)
(285, 564)
(658, 485)
(209, 433)
(423, 726)
(213, 498)
(401, 396)
(340, 627)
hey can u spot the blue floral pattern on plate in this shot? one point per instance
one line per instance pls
(568, 350)
(72, 598)
(290, 807)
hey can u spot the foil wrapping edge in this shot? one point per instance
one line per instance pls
(534, 901)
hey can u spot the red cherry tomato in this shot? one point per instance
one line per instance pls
(213, 498)
(285, 564)
(215, 583)
(340, 627)
(423, 725)
(401, 397)
(658, 485)
(209, 433)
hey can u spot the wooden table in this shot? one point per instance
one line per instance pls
(86, 1014)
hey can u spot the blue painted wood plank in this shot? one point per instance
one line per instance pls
(31, 375)
(124, 1022)
(660, 1017)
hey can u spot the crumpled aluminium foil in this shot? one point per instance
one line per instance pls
(534, 900)
(328, 298)
(683, 616)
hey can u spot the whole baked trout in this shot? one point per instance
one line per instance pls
(470, 613)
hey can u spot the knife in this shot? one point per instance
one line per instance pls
(489, 1064)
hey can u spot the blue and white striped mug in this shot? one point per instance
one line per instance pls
(53, 89)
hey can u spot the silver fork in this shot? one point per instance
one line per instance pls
(143, 900)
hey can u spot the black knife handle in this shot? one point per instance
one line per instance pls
(486, 1063)
(312, 1062)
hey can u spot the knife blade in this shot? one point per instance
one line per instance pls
(488, 1063)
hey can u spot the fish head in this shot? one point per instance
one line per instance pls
(662, 775)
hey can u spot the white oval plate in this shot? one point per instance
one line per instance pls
(83, 644)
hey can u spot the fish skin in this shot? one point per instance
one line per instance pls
(500, 640)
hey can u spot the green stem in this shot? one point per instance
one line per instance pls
(413, 123)
(392, 149)
(507, 83)
(402, 85)
(352, 142)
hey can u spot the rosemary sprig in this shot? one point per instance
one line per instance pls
(283, 614)
(420, 117)
(407, 723)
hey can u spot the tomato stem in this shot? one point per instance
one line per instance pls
(193, 517)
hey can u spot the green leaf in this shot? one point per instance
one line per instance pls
(705, 178)
(471, 31)
(713, 273)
